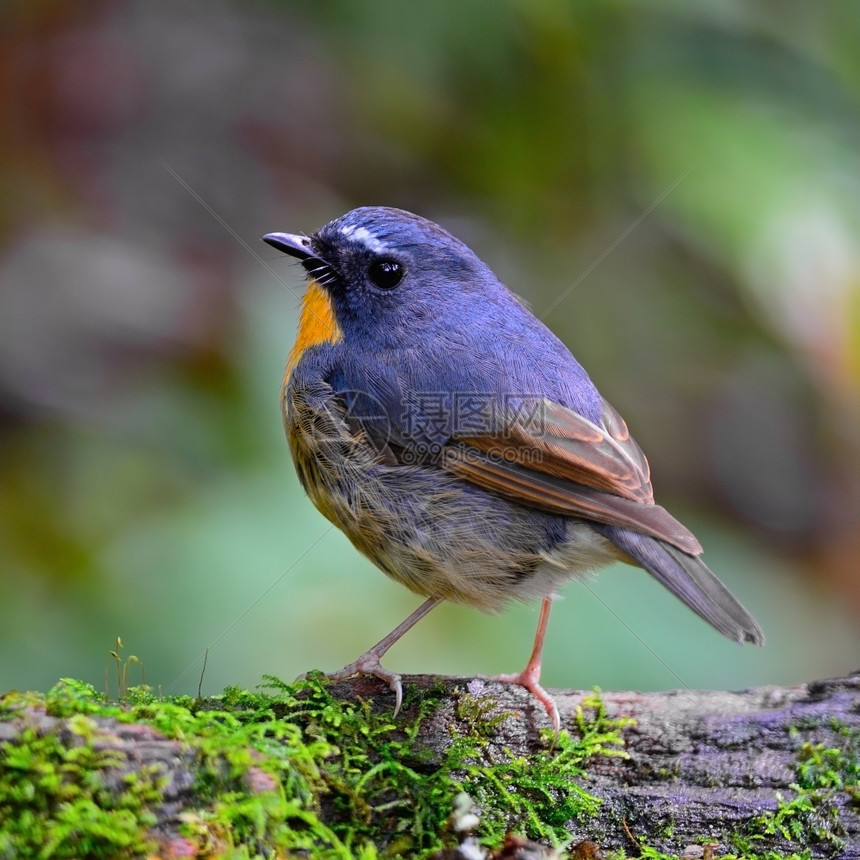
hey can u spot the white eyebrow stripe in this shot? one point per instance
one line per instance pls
(364, 236)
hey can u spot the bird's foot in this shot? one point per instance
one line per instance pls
(368, 664)
(529, 678)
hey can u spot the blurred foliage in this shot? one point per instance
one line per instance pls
(673, 188)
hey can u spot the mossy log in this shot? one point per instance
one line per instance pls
(767, 769)
(707, 763)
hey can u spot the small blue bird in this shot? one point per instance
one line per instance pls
(457, 442)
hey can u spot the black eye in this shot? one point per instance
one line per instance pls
(386, 274)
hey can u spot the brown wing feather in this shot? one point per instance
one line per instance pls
(562, 463)
(562, 443)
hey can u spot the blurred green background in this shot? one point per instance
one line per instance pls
(674, 187)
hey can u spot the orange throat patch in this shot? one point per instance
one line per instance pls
(317, 324)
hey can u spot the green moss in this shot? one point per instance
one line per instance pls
(537, 795)
(289, 770)
(56, 801)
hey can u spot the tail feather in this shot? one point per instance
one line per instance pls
(690, 580)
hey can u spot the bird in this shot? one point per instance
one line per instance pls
(458, 443)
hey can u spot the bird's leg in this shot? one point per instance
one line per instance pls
(530, 676)
(368, 663)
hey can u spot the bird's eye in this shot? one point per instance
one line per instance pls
(386, 274)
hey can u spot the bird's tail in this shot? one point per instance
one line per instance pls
(691, 581)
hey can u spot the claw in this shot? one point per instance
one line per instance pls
(529, 679)
(368, 664)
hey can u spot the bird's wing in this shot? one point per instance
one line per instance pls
(558, 461)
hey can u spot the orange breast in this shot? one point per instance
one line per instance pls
(317, 324)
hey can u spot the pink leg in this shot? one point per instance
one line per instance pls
(530, 676)
(368, 663)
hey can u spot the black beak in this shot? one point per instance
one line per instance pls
(290, 243)
(300, 246)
